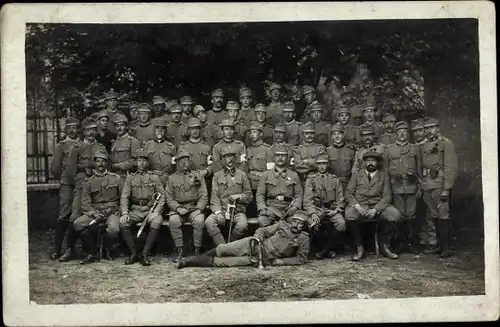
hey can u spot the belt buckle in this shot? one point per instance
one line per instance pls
(280, 198)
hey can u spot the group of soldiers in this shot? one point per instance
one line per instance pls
(299, 174)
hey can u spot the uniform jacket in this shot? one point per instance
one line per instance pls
(270, 152)
(122, 151)
(141, 187)
(176, 133)
(274, 184)
(209, 133)
(101, 194)
(387, 138)
(322, 132)
(404, 165)
(359, 163)
(340, 161)
(305, 156)
(247, 115)
(60, 159)
(200, 153)
(80, 161)
(439, 163)
(279, 242)
(373, 194)
(111, 124)
(274, 113)
(144, 133)
(306, 114)
(292, 135)
(378, 128)
(257, 162)
(267, 135)
(160, 156)
(351, 136)
(186, 190)
(240, 131)
(215, 117)
(323, 191)
(224, 185)
(240, 149)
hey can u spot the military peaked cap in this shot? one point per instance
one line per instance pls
(141, 153)
(260, 107)
(431, 122)
(217, 93)
(101, 154)
(289, 106)
(72, 121)
(158, 99)
(89, 122)
(197, 109)
(245, 92)
(232, 105)
(401, 125)
(308, 127)
(111, 95)
(120, 118)
(227, 122)
(372, 154)
(186, 100)
(193, 122)
(176, 108)
(274, 86)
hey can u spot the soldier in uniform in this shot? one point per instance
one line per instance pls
(275, 107)
(137, 203)
(389, 135)
(176, 130)
(208, 130)
(368, 113)
(351, 132)
(257, 161)
(161, 152)
(187, 104)
(229, 186)
(158, 106)
(100, 203)
(340, 155)
(233, 112)
(292, 126)
(200, 151)
(439, 171)
(267, 130)
(305, 154)
(58, 171)
(368, 196)
(246, 110)
(217, 114)
(144, 130)
(134, 117)
(187, 197)
(103, 135)
(279, 141)
(321, 128)
(280, 191)
(227, 127)
(324, 203)
(284, 243)
(368, 144)
(418, 132)
(122, 161)
(111, 99)
(404, 166)
(309, 94)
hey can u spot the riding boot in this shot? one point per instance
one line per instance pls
(353, 227)
(129, 240)
(61, 227)
(385, 237)
(197, 261)
(150, 240)
(444, 237)
(211, 252)
(218, 239)
(91, 245)
(179, 254)
(413, 236)
(329, 241)
(71, 241)
(109, 244)
(400, 237)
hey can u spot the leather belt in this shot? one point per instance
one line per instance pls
(141, 202)
(280, 198)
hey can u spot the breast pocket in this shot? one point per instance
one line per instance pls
(121, 154)
(111, 189)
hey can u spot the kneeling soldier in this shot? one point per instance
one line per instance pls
(284, 243)
(100, 203)
(324, 203)
(368, 195)
(187, 198)
(137, 204)
(229, 186)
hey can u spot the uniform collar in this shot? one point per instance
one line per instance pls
(259, 142)
(424, 140)
(159, 141)
(279, 172)
(123, 136)
(146, 124)
(100, 175)
(290, 122)
(217, 110)
(195, 141)
(402, 144)
(70, 139)
(437, 137)
(89, 143)
(228, 141)
(338, 145)
(230, 171)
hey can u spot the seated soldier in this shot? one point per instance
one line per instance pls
(324, 203)
(229, 186)
(100, 203)
(137, 203)
(368, 195)
(284, 243)
(187, 197)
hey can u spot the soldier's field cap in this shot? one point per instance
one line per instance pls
(429, 122)
(280, 127)
(256, 125)
(226, 122)
(344, 110)
(119, 118)
(193, 122)
(388, 116)
(72, 121)
(274, 86)
(89, 122)
(232, 105)
(372, 154)
(144, 107)
(245, 92)
(228, 150)
(176, 108)
(217, 93)
(368, 106)
(280, 149)
(159, 122)
(111, 95)
(289, 106)
(101, 114)
(197, 109)
(308, 127)
(183, 154)
(141, 153)
(316, 107)
(300, 215)
(321, 158)
(417, 124)
(133, 106)
(367, 131)
(103, 154)
(260, 107)
(158, 99)
(186, 100)
(337, 128)
(401, 125)
(307, 89)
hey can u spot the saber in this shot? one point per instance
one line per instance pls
(254, 241)
(231, 208)
(156, 198)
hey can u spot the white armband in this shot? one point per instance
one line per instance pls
(270, 165)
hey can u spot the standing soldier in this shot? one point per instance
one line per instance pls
(58, 171)
(161, 153)
(233, 112)
(275, 108)
(292, 126)
(111, 99)
(267, 130)
(439, 171)
(100, 203)
(305, 154)
(208, 130)
(134, 117)
(279, 141)
(246, 111)
(389, 136)
(324, 203)
(158, 106)
(351, 132)
(199, 149)
(103, 135)
(340, 156)
(176, 130)
(279, 194)
(122, 161)
(368, 113)
(418, 132)
(229, 186)
(187, 104)
(309, 94)
(144, 130)
(368, 144)
(404, 166)
(217, 114)
(137, 203)
(227, 127)
(257, 161)
(187, 197)
(321, 128)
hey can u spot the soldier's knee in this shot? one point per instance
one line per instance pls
(80, 223)
(351, 214)
(263, 221)
(175, 221)
(211, 224)
(199, 221)
(390, 214)
(156, 222)
(339, 222)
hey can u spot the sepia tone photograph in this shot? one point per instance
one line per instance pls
(254, 161)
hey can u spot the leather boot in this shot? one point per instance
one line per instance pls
(68, 254)
(360, 253)
(197, 261)
(132, 259)
(61, 227)
(87, 237)
(109, 242)
(70, 251)
(413, 236)
(211, 252)
(90, 258)
(326, 251)
(432, 249)
(179, 254)
(385, 237)
(145, 261)
(218, 239)
(353, 228)
(129, 240)
(444, 237)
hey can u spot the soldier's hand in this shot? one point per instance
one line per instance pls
(445, 195)
(277, 262)
(234, 197)
(196, 212)
(419, 192)
(124, 219)
(360, 209)
(290, 211)
(314, 220)
(203, 173)
(264, 212)
(221, 217)
(182, 211)
(371, 213)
